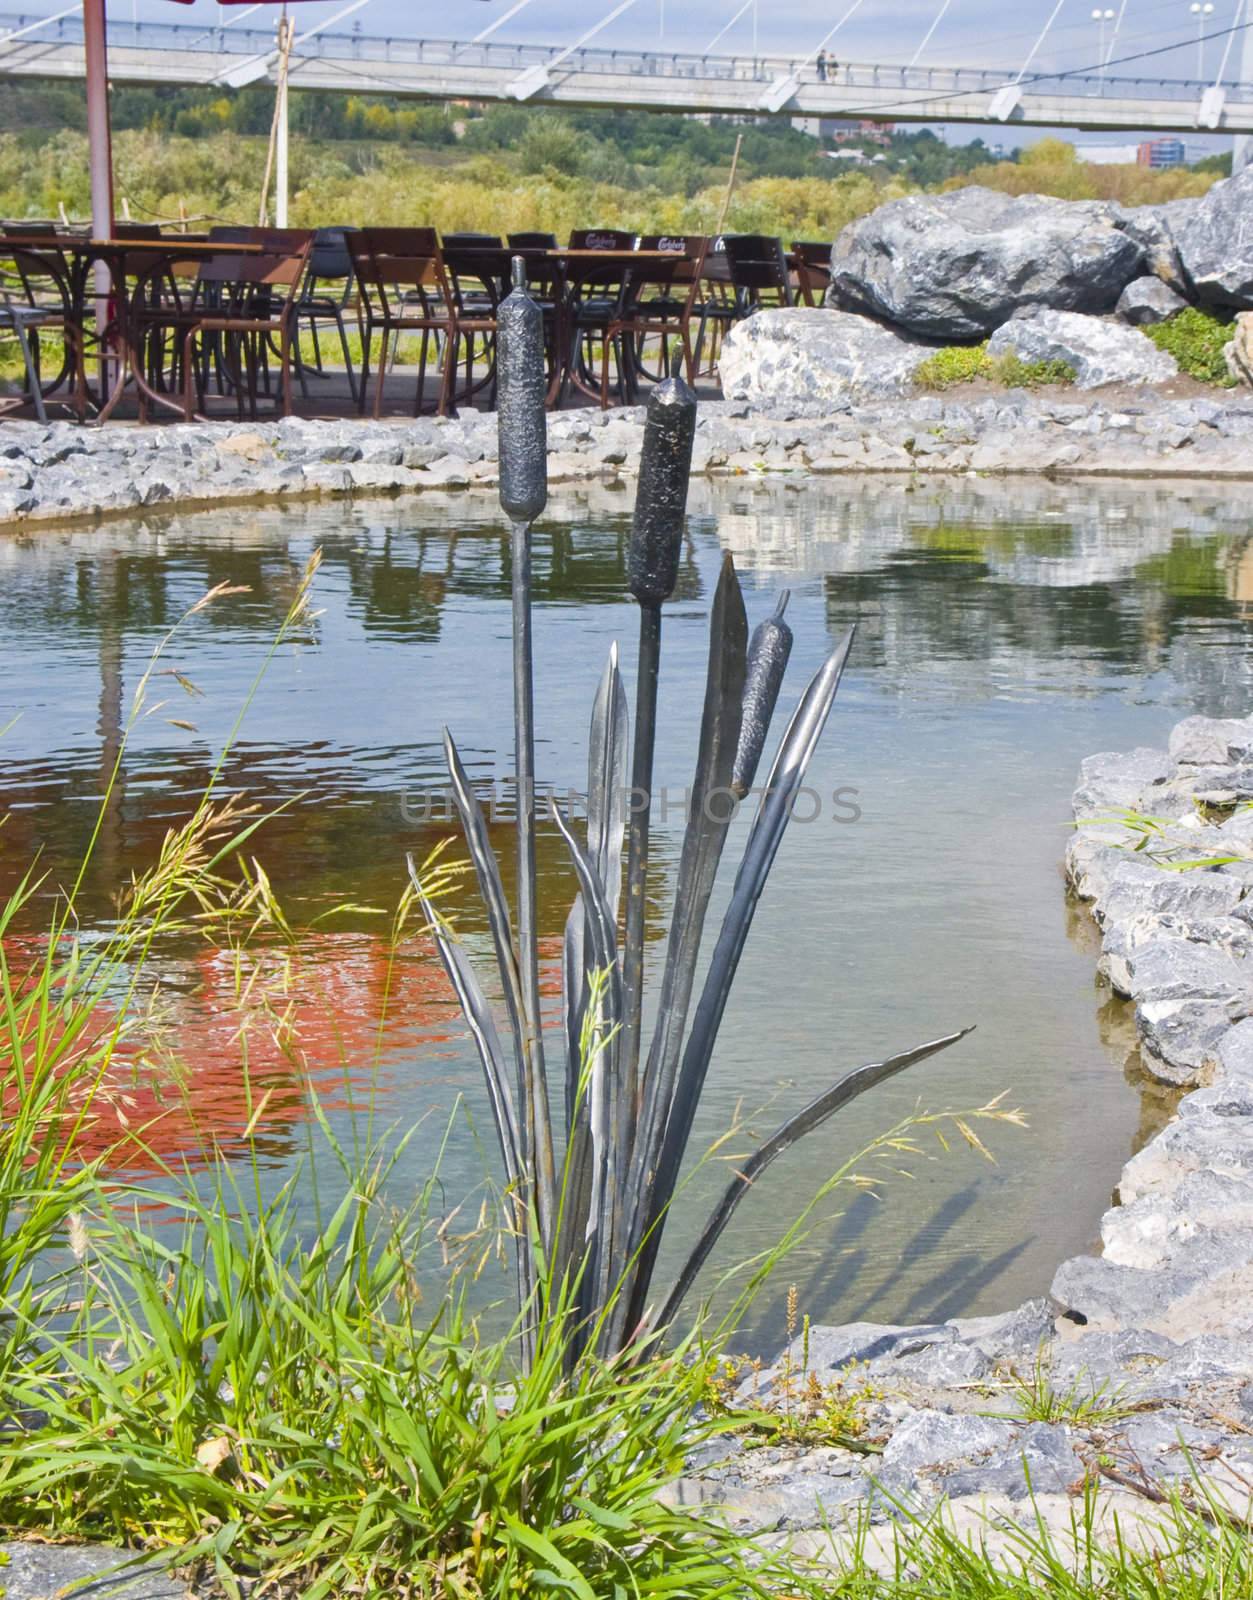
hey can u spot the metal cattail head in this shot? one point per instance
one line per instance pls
(768, 651)
(521, 391)
(661, 497)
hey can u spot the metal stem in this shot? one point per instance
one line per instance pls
(539, 1141)
(637, 851)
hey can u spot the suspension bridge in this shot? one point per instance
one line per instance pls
(1119, 92)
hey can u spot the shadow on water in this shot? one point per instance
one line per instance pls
(1005, 631)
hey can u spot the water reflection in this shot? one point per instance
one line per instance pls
(1004, 632)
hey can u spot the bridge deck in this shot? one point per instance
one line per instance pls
(728, 85)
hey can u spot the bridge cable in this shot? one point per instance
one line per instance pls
(491, 28)
(555, 61)
(1113, 38)
(727, 26)
(40, 22)
(926, 38)
(1241, 6)
(1043, 35)
(218, 27)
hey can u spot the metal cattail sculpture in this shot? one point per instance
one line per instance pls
(590, 1244)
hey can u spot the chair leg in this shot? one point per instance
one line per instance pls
(347, 354)
(382, 373)
(285, 360)
(32, 370)
(189, 375)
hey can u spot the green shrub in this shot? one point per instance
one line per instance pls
(1196, 338)
(1015, 373)
(963, 363)
(956, 363)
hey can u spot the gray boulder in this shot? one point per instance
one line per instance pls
(1239, 353)
(957, 265)
(1211, 741)
(1148, 300)
(813, 357)
(1100, 352)
(1153, 227)
(1215, 242)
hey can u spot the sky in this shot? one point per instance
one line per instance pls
(968, 33)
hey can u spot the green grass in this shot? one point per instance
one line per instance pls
(965, 363)
(1196, 338)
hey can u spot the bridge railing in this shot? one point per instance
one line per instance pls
(493, 56)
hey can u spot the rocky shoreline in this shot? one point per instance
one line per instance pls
(1142, 1352)
(62, 472)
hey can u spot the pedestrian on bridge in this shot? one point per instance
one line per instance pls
(821, 64)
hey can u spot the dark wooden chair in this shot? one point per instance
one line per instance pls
(813, 269)
(241, 309)
(404, 289)
(759, 272)
(595, 296)
(659, 302)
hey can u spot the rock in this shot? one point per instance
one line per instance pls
(1233, 1055)
(1039, 1459)
(1100, 352)
(1179, 1037)
(935, 1441)
(1211, 741)
(1116, 781)
(1206, 1288)
(1180, 969)
(1153, 228)
(1239, 353)
(1150, 1230)
(40, 1571)
(1215, 243)
(1201, 1143)
(957, 265)
(1148, 300)
(807, 356)
(1134, 887)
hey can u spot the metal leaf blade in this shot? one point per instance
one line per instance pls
(712, 806)
(492, 892)
(482, 1027)
(795, 749)
(812, 1116)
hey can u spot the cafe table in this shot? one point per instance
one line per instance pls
(145, 260)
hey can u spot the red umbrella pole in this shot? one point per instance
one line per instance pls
(99, 142)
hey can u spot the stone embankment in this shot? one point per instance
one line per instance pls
(1143, 1353)
(60, 471)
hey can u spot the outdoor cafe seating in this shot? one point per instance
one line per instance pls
(229, 321)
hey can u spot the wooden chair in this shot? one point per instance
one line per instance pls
(404, 289)
(40, 294)
(660, 301)
(759, 272)
(242, 308)
(813, 269)
(595, 296)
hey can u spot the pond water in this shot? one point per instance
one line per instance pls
(1005, 630)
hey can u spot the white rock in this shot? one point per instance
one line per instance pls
(1099, 351)
(807, 355)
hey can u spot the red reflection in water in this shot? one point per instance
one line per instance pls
(232, 1044)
